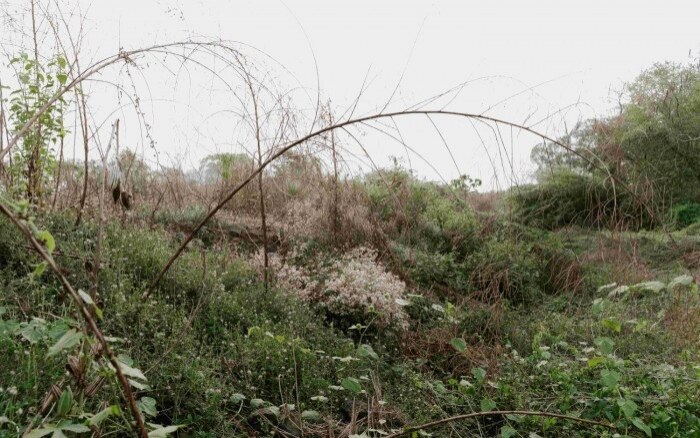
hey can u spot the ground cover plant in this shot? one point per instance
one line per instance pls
(279, 294)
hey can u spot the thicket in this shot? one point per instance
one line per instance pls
(637, 169)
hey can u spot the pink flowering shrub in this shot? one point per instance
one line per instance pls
(354, 283)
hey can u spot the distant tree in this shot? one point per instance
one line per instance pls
(225, 167)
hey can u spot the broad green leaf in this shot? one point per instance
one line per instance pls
(595, 361)
(58, 329)
(508, 431)
(33, 331)
(639, 424)
(479, 374)
(9, 328)
(654, 286)
(237, 398)
(311, 415)
(628, 407)
(606, 286)
(73, 427)
(68, 340)
(618, 291)
(131, 372)
(366, 350)
(256, 403)
(148, 406)
(605, 344)
(138, 385)
(487, 405)
(599, 304)
(351, 384)
(163, 432)
(682, 280)
(38, 433)
(101, 416)
(613, 324)
(610, 378)
(459, 344)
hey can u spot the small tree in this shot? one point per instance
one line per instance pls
(34, 162)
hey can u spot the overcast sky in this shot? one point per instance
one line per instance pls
(549, 55)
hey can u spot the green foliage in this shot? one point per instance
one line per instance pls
(33, 161)
(652, 147)
(686, 214)
(507, 269)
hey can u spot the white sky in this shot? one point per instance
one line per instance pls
(573, 53)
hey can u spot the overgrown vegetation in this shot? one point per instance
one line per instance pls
(320, 303)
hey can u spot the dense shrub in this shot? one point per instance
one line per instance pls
(566, 197)
(507, 269)
(686, 214)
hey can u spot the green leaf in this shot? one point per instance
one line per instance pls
(366, 350)
(237, 398)
(605, 344)
(508, 431)
(101, 416)
(162, 432)
(612, 323)
(86, 297)
(65, 402)
(138, 385)
(33, 331)
(487, 405)
(351, 384)
(148, 406)
(61, 78)
(68, 340)
(131, 372)
(311, 415)
(73, 427)
(610, 378)
(628, 407)
(39, 269)
(459, 344)
(38, 433)
(256, 403)
(642, 426)
(47, 239)
(479, 374)
(682, 280)
(654, 286)
(595, 361)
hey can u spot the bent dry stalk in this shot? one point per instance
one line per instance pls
(485, 414)
(600, 165)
